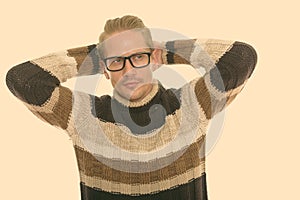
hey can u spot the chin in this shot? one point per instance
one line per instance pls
(135, 96)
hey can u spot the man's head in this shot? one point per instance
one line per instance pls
(127, 54)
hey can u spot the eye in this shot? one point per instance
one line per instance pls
(117, 60)
(138, 57)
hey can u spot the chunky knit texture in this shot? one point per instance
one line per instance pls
(151, 149)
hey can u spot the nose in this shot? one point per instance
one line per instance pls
(128, 68)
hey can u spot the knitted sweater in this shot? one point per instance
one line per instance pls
(151, 149)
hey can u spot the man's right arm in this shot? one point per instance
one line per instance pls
(38, 82)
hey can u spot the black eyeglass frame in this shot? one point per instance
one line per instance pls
(129, 58)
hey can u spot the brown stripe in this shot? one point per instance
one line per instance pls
(85, 65)
(231, 98)
(179, 60)
(90, 166)
(210, 104)
(137, 189)
(204, 97)
(61, 110)
(44, 116)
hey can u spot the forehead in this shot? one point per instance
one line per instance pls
(124, 43)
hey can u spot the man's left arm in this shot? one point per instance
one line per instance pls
(228, 66)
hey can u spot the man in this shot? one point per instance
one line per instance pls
(145, 141)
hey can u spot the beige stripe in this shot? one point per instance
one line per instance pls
(123, 188)
(215, 47)
(58, 64)
(143, 143)
(200, 57)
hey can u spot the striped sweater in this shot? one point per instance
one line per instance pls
(151, 149)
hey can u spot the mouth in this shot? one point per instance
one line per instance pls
(131, 84)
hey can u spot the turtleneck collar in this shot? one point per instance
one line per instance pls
(141, 102)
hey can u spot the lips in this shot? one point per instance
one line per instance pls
(131, 84)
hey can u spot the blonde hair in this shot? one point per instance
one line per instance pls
(127, 22)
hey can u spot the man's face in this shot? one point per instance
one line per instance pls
(131, 83)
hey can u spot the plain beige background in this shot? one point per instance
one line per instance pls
(257, 156)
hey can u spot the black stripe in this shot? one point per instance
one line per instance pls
(139, 120)
(194, 190)
(30, 83)
(234, 67)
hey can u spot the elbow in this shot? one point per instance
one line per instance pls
(235, 66)
(248, 55)
(14, 81)
(30, 83)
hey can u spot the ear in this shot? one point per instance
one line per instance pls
(156, 59)
(157, 53)
(103, 69)
(106, 75)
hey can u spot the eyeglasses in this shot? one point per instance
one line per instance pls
(137, 60)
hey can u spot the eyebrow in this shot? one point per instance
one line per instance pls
(145, 50)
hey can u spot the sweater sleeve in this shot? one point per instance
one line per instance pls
(38, 82)
(228, 65)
